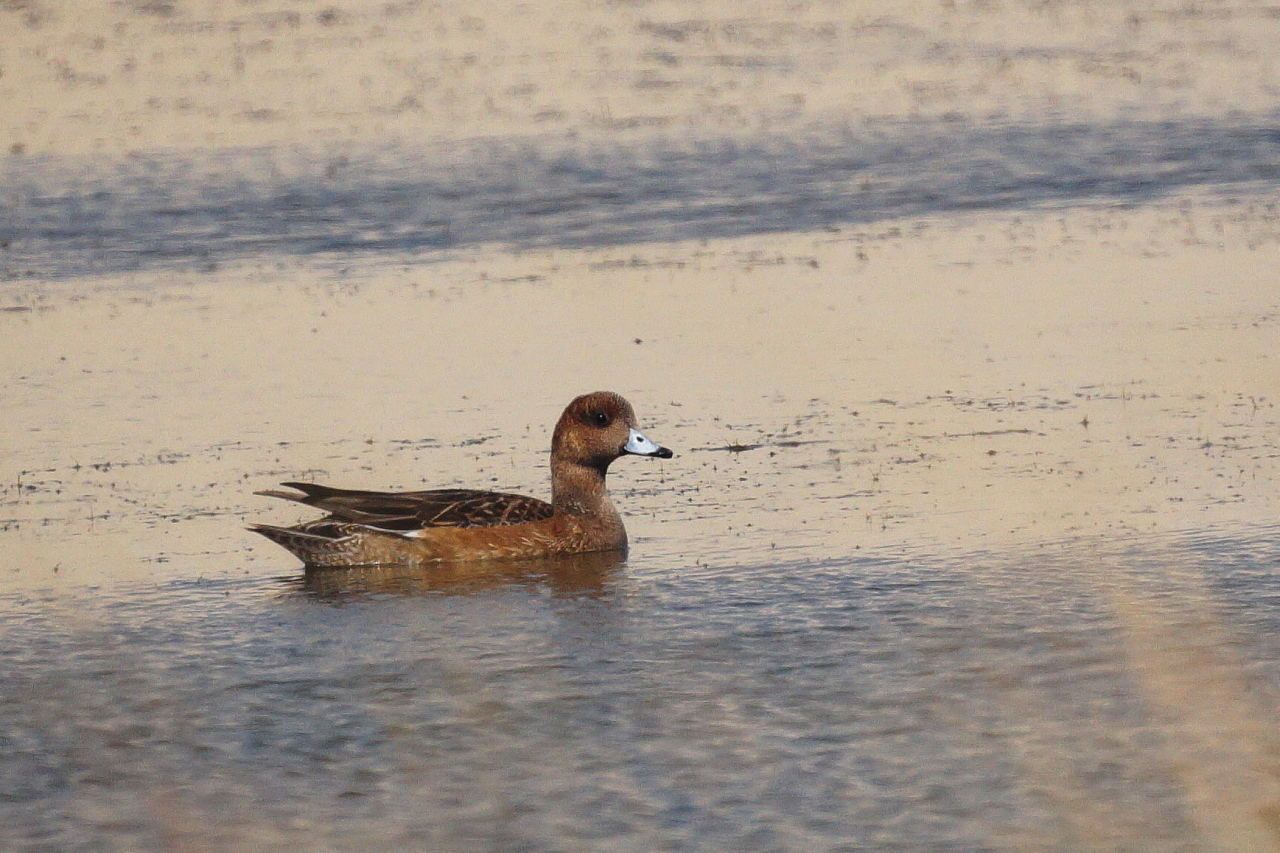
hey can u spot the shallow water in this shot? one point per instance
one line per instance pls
(77, 217)
(141, 136)
(990, 701)
(1028, 602)
(961, 319)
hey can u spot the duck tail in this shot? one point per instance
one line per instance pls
(313, 549)
(281, 493)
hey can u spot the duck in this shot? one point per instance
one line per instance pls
(420, 528)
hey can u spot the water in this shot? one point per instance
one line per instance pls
(984, 703)
(72, 217)
(970, 544)
(840, 628)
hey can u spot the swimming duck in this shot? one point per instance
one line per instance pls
(443, 525)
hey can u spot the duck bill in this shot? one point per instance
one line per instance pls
(640, 445)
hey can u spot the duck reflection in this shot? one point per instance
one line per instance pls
(569, 575)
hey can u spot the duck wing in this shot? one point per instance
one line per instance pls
(406, 511)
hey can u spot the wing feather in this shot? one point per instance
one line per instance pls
(407, 511)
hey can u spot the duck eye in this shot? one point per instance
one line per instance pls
(600, 419)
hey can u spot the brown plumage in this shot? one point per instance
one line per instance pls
(415, 528)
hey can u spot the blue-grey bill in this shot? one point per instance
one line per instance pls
(640, 445)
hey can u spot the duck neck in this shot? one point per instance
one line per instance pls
(578, 489)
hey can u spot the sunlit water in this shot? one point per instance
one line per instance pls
(713, 692)
(913, 703)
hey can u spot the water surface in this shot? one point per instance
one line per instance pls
(961, 317)
(83, 216)
(988, 702)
